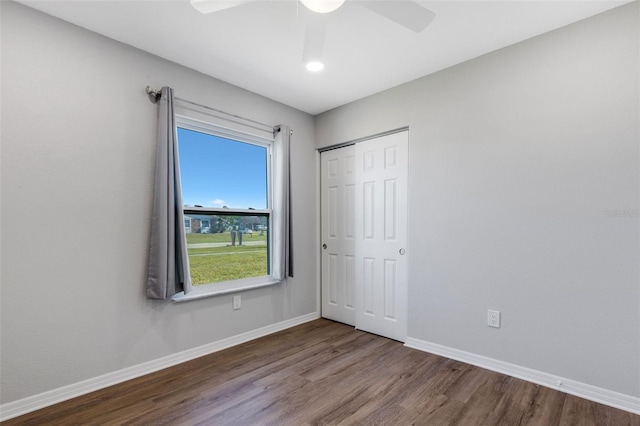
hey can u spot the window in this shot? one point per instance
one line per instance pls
(226, 195)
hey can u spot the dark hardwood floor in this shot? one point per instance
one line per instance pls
(321, 373)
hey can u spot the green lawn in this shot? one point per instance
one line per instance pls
(225, 263)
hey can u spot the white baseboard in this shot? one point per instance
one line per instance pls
(582, 390)
(45, 399)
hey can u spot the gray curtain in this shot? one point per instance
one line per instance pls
(282, 235)
(168, 260)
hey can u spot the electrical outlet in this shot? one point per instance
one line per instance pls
(493, 318)
(237, 302)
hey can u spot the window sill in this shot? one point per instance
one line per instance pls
(218, 289)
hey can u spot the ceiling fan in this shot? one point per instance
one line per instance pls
(407, 13)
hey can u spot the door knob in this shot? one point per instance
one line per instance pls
(402, 252)
(324, 246)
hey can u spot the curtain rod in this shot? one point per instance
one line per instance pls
(154, 97)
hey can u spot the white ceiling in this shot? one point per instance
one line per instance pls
(258, 46)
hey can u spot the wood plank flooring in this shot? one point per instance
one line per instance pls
(326, 373)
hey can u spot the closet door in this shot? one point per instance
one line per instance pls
(381, 235)
(338, 234)
(364, 235)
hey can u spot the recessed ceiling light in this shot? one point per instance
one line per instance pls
(322, 6)
(315, 66)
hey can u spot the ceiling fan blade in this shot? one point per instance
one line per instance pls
(407, 13)
(314, 38)
(210, 6)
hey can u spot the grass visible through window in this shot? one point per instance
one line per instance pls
(213, 258)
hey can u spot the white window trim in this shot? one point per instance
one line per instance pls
(226, 287)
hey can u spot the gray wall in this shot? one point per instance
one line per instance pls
(517, 159)
(77, 174)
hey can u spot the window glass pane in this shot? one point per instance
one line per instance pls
(218, 172)
(229, 248)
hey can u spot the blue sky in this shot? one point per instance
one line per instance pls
(218, 172)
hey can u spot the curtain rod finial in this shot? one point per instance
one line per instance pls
(154, 96)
